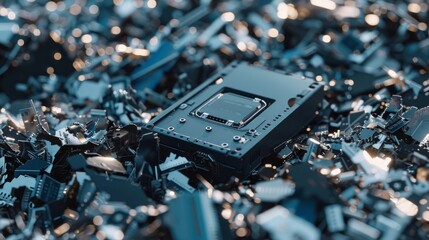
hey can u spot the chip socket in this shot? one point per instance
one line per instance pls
(230, 109)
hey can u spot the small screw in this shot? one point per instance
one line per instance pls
(208, 128)
(225, 145)
(182, 120)
(252, 131)
(170, 129)
(236, 138)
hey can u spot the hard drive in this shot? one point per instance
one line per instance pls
(235, 119)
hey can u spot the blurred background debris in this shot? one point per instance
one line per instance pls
(79, 80)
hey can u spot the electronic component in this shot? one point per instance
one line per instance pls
(178, 180)
(193, 216)
(418, 127)
(358, 229)
(172, 163)
(334, 218)
(33, 167)
(274, 191)
(236, 118)
(119, 189)
(281, 224)
(48, 189)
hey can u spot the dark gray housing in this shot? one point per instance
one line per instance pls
(222, 148)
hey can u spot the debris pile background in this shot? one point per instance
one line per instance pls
(80, 79)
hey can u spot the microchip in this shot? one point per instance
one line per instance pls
(230, 109)
(235, 119)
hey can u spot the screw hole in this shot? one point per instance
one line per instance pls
(291, 102)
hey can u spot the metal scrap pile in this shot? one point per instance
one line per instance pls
(79, 80)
